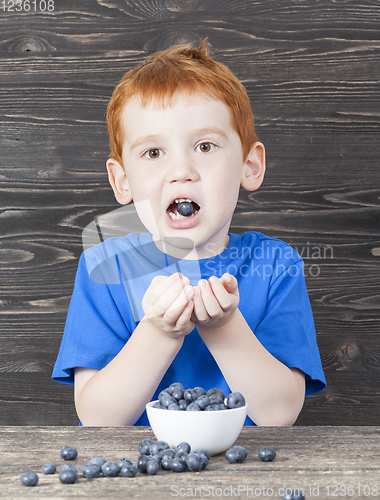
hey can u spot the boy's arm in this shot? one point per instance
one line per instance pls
(117, 394)
(274, 393)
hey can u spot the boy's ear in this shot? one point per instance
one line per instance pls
(119, 182)
(254, 168)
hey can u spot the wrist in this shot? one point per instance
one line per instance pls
(224, 325)
(151, 329)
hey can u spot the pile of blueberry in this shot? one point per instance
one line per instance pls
(153, 455)
(176, 398)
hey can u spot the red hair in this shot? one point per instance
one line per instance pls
(180, 68)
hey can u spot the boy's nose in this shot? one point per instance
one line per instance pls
(182, 170)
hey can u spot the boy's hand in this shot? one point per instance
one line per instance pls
(168, 305)
(216, 301)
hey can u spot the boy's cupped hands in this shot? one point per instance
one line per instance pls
(175, 307)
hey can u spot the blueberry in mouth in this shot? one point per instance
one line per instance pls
(182, 207)
(185, 208)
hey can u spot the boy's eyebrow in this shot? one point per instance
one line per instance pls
(143, 140)
(207, 130)
(211, 130)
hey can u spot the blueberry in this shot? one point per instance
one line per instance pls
(123, 461)
(182, 403)
(68, 453)
(110, 469)
(202, 401)
(267, 454)
(190, 395)
(166, 462)
(216, 392)
(204, 455)
(200, 391)
(168, 453)
(99, 461)
(163, 394)
(293, 495)
(212, 407)
(174, 407)
(185, 208)
(167, 400)
(141, 463)
(201, 451)
(159, 405)
(68, 476)
(128, 471)
(235, 400)
(144, 446)
(177, 394)
(91, 470)
(68, 467)
(204, 460)
(184, 447)
(175, 386)
(158, 446)
(152, 467)
(181, 456)
(48, 469)
(178, 466)
(236, 454)
(193, 407)
(157, 458)
(216, 400)
(194, 462)
(29, 479)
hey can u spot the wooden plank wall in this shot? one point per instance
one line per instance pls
(312, 70)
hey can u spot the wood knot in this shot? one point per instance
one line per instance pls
(349, 356)
(30, 44)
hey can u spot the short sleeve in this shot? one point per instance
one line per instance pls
(287, 329)
(96, 326)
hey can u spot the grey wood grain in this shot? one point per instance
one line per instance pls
(311, 71)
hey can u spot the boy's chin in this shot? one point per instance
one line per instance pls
(176, 246)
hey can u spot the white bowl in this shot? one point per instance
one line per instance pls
(215, 431)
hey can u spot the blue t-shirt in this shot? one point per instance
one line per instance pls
(114, 275)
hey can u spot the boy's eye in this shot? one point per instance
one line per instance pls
(205, 147)
(153, 153)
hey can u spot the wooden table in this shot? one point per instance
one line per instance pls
(327, 462)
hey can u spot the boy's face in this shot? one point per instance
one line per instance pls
(188, 150)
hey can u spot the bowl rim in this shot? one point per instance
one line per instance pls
(151, 403)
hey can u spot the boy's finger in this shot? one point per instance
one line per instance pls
(185, 316)
(229, 282)
(165, 292)
(210, 302)
(176, 307)
(199, 307)
(221, 294)
(163, 283)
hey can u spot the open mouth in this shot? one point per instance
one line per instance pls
(182, 208)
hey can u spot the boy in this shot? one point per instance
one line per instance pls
(182, 142)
